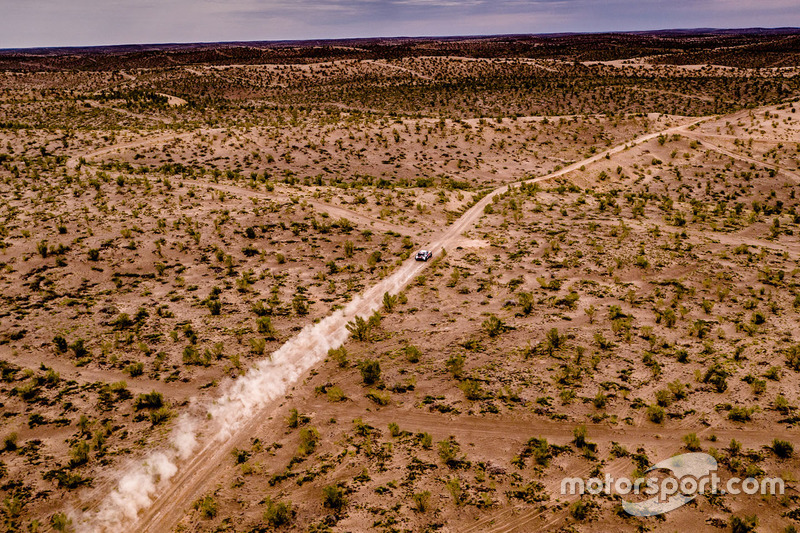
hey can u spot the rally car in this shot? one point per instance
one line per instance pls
(423, 255)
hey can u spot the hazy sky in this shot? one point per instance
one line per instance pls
(29, 23)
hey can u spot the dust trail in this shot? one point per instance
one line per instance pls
(266, 381)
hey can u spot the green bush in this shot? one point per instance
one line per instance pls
(744, 525)
(471, 389)
(449, 452)
(655, 413)
(580, 510)
(309, 438)
(295, 419)
(333, 497)
(60, 344)
(207, 507)
(370, 371)
(10, 442)
(214, 306)
(455, 365)
(740, 414)
(339, 355)
(412, 353)
(61, 522)
(692, 442)
(782, 448)
(151, 400)
(494, 326)
(265, 328)
(379, 397)
(389, 302)
(160, 415)
(278, 514)
(421, 501)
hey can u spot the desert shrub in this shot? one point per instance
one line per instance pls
(717, 376)
(309, 438)
(370, 371)
(150, 400)
(60, 344)
(412, 353)
(257, 346)
(214, 306)
(740, 414)
(692, 442)
(300, 304)
(361, 329)
(333, 497)
(61, 522)
(135, 369)
(668, 316)
(655, 413)
(264, 327)
(10, 442)
(600, 400)
(449, 453)
(782, 405)
(335, 394)
(744, 525)
(79, 454)
(93, 254)
(579, 435)
(455, 365)
(240, 456)
(278, 514)
(454, 488)
(602, 342)
(421, 501)
(677, 389)
(160, 416)
(538, 449)
(191, 356)
(554, 341)
(530, 492)
(259, 309)
(207, 506)
(580, 510)
(494, 326)
(379, 397)
(663, 397)
(471, 389)
(526, 303)
(425, 440)
(79, 348)
(793, 357)
(339, 355)
(782, 448)
(389, 302)
(123, 321)
(295, 419)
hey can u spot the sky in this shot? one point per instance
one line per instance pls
(48, 23)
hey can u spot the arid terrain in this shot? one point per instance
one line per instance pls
(212, 319)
